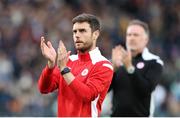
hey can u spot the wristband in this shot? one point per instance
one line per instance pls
(131, 69)
(65, 70)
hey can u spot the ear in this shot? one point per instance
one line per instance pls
(96, 34)
(147, 40)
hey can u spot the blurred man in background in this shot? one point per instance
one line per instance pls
(137, 72)
(82, 80)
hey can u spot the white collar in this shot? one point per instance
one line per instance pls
(146, 55)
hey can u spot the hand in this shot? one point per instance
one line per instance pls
(63, 55)
(126, 57)
(116, 57)
(48, 52)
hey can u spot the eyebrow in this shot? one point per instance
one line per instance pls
(80, 29)
(132, 33)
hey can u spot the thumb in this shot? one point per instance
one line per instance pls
(129, 53)
(68, 54)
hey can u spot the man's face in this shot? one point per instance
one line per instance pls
(136, 38)
(83, 36)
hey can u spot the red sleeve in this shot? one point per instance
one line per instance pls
(49, 80)
(98, 81)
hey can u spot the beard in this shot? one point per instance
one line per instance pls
(83, 47)
(131, 47)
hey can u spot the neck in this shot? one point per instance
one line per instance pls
(86, 51)
(134, 53)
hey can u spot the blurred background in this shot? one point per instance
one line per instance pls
(23, 22)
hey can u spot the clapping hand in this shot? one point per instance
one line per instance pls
(48, 52)
(63, 55)
(121, 56)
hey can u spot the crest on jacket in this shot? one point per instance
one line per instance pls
(84, 72)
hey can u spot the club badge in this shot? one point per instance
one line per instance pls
(84, 72)
(140, 65)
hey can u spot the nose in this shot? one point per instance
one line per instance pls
(77, 34)
(131, 38)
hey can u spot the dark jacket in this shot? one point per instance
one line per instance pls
(132, 92)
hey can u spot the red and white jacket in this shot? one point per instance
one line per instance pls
(85, 94)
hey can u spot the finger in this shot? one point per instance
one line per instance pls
(116, 52)
(122, 50)
(116, 55)
(129, 53)
(116, 47)
(60, 44)
(59, 55)
(64, 47)
(59, 47)
(44, 47)
(59, 51)
(68, 54)
(63, 55)
(42, 44)
(119, 49)
(49, 44)
(42, 41)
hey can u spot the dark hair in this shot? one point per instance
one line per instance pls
(89, 18)
(142, 24)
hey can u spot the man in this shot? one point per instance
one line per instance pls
(137, 72)
(82, 80)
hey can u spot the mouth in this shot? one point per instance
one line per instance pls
(133, 50)
(131, 47)
(78, 42)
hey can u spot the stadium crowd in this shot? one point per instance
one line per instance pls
(23, 22)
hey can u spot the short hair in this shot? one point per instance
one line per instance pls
(89, 18)
(142, 24)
